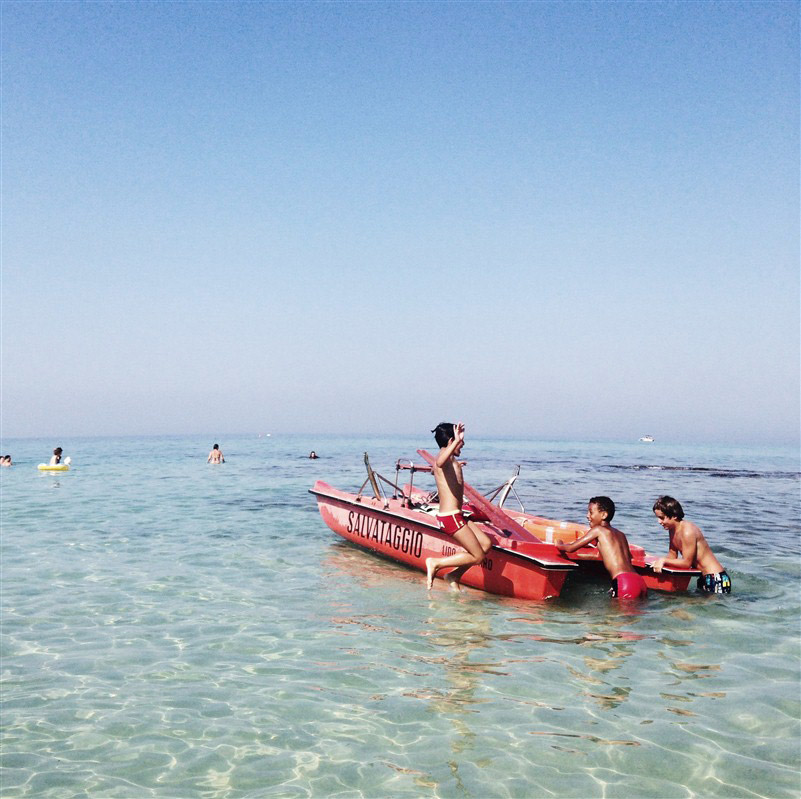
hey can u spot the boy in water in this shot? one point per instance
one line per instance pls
(687, 538)
(215, 456)
(614, 548)
(450, 485)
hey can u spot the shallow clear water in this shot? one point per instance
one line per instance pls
(175, 629)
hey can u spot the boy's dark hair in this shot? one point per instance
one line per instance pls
(58, 451)
(443, 433)
(670, 507)
(605, 504)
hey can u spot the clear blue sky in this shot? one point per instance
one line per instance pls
(570, 220)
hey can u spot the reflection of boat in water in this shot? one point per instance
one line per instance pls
(523, 561)
(647, 439)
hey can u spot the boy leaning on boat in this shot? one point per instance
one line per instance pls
(450, 485)
(686, 538)
(613, 547)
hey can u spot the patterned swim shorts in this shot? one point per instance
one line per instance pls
(719, 583)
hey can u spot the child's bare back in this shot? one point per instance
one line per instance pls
(450, 485)
(614, 549)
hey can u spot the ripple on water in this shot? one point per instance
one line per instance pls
(199, 633)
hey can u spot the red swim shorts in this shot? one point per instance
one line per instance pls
(629, 585)
(451, 523)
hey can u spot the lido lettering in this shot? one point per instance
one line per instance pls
(448, 550)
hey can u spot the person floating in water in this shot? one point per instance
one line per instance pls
(5, 460)
(215, 456)
(614, 548)
(687, 538)
(313, 455)
(56, 457)
(450, 485)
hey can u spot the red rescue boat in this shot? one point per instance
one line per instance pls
(403, 527)
(523, 561)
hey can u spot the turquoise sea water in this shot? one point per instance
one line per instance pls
(176, 629)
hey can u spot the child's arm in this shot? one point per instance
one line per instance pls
(446, 452)
(689, 545)
(592, 535)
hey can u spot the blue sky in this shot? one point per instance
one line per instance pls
(567, 220)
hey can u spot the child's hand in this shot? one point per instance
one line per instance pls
(458, 431)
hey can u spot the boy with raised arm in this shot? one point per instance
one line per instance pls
(450, 485)
(687, 538)
(614, 548)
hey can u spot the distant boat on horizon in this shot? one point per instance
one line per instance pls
(647, 439)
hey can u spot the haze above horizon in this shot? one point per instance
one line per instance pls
(553, 220)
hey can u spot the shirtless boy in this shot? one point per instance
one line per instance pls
(450, 485)
(687, 538)
(215, 456)
(55, 459)
(614, 548)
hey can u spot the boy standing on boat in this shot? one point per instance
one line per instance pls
(614, 548)
(687, 538)
(450, 485)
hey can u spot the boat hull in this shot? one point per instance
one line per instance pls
(511, 568)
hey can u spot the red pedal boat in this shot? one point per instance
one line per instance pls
(523, 561)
